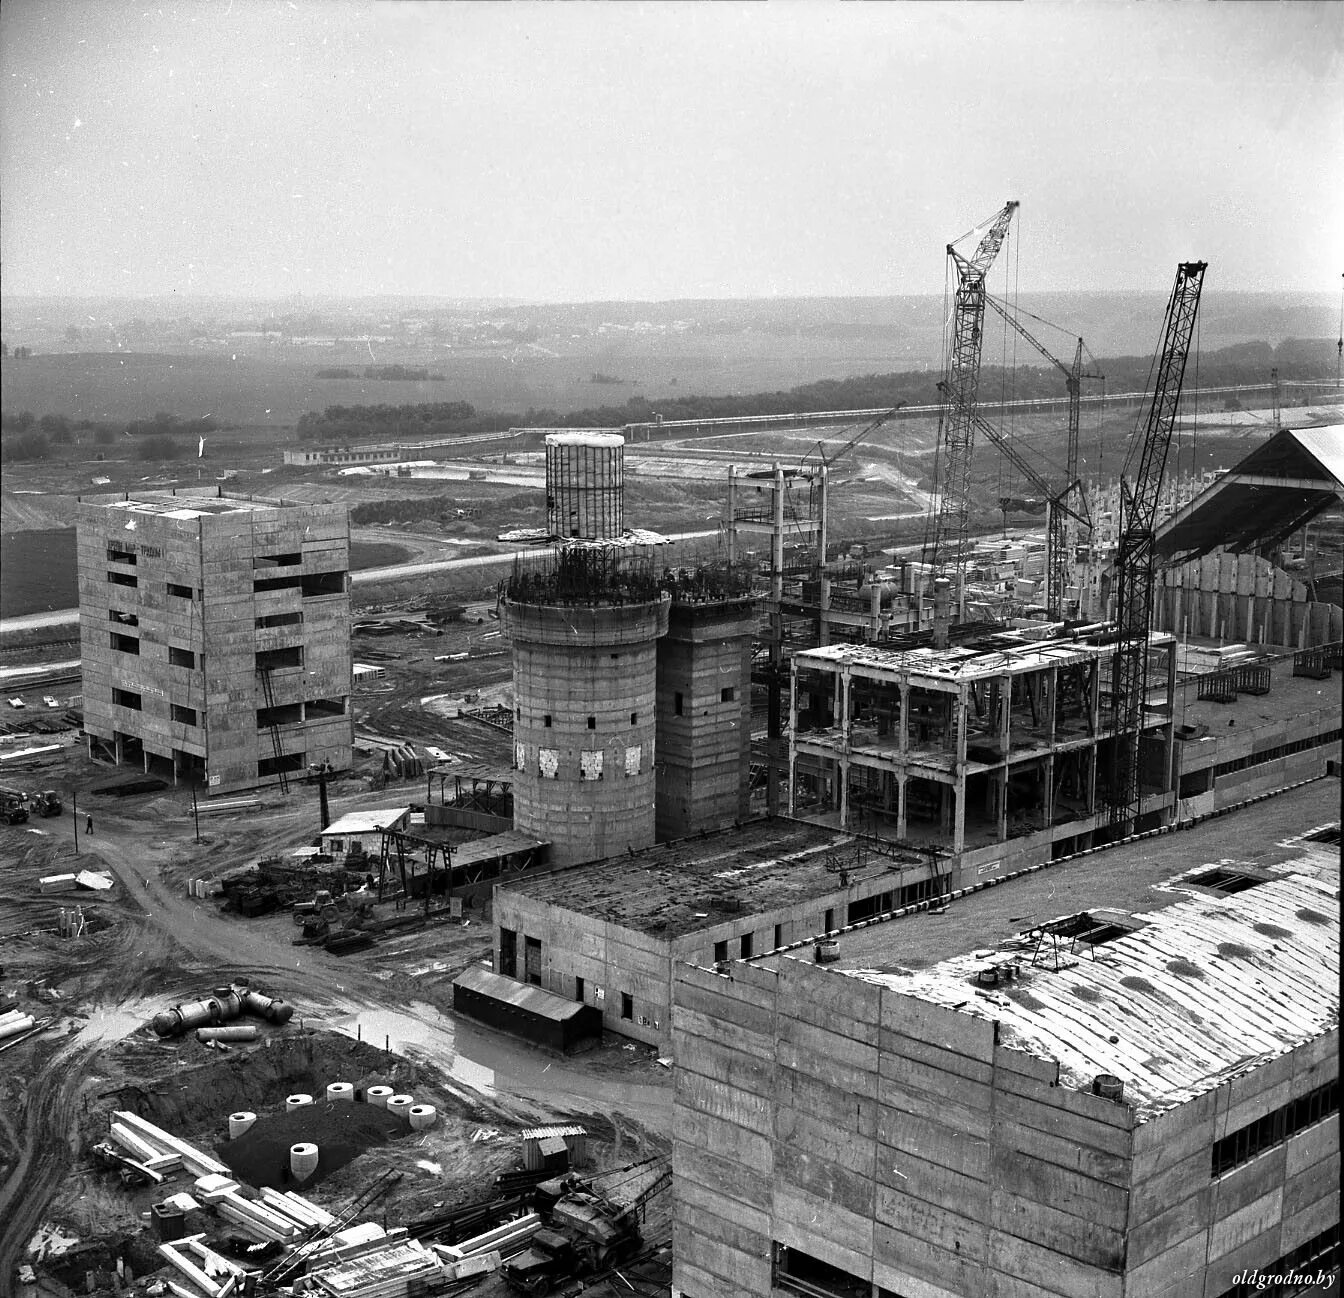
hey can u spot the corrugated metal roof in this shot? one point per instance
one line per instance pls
(535, 1000)
(1205, 988)
(366, 822)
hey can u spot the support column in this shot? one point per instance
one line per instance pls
(901, 828)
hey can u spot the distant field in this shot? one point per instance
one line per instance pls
(37, 569)
(248, 391)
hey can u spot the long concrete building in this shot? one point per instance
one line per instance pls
(215, 635)
(1134, 1100)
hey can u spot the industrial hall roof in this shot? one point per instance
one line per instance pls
(1236, 965)
(1277, 489)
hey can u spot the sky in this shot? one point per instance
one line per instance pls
(583, 151)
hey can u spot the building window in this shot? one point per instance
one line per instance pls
(830, 921)
(279, 619)
(276, 560)
(260, 584)
(284, 763)
(270, 659)
(532, 960)
(627, 1006)
(123, 579)
(116, 555)
(179, 592)
(325, 708)
(508, 952)
(800, 1273)
(546, 721)
(283, 714)
(634, 718)
(180, 657)
(126, 619)
(322, 583)
(592, 723)
(744, 946)
(126, 699)
(727, 694)
(779, 936)
(578, 990)
(184, 716)
(590, 765)
(677, 703)
(126, 644)
(1242, 1145)
(720, 952)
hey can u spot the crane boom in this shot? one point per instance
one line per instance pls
(1057, 545)
(961, 386)
(1134, 561)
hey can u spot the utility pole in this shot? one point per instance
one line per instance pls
(74, 811)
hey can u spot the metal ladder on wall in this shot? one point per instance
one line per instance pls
(268, 693)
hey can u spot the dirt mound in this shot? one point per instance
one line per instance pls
(340, 1130)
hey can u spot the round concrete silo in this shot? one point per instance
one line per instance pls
(585, 485)
(585, 678)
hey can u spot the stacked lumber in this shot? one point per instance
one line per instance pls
(211, 1275)
(394, 1271)
(506, 1240)
(168, 1146)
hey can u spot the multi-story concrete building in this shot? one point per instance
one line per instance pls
(215, 635)
(1137, 1100)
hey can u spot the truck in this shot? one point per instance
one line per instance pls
(13, 807)
(585, 1232)
(46, 804)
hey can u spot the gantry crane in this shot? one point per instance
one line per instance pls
(1057, 543)
(960, 387)
(1134, 560)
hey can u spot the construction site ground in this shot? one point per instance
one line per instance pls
(383, 1015)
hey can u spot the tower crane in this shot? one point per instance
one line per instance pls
(1135, 560)
(960, 386)
(1057, 543)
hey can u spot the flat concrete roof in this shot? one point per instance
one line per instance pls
(1289, 696)
(699, 883)
(1187, 986)
(184, 506)
(366, 822)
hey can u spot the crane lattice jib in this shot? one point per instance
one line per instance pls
(1134, 562)
(1057, 543)
(961, 386)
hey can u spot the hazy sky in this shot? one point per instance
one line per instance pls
(584, 151)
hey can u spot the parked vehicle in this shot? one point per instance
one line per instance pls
(13, 807)
(46, 804)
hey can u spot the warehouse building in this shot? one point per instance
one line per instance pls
(215, 635)
(1136, 1100)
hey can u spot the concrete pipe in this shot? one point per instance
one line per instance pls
(422, 1116)
(220, 1008)
(298, 1101)
(378, 1096)
(342, 1091)
(302, 1160)
(15, 1026)
(240, 1123)
(401, 1106)
(236, 1032)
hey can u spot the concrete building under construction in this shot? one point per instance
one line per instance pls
(215, 635)
(631, 680)
(1138, 1100)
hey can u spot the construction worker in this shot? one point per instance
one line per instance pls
(88, 824)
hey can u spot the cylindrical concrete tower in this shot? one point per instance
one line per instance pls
(584, 678)
(585, 485)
